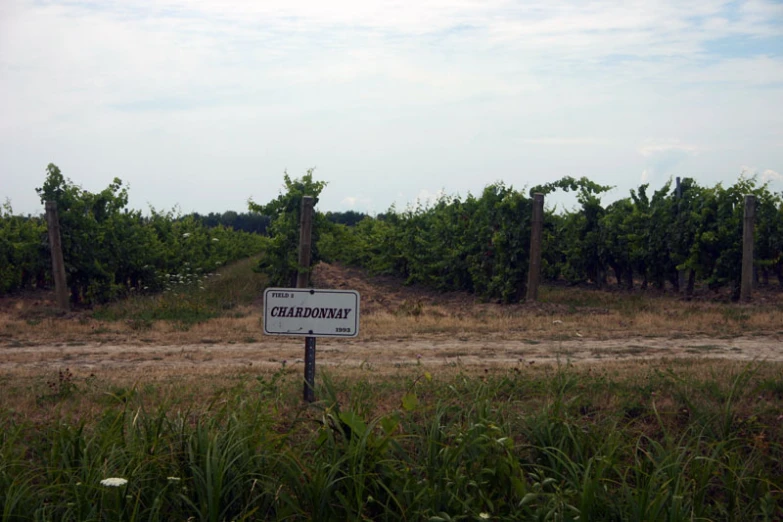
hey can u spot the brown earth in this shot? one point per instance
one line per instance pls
(382, 356)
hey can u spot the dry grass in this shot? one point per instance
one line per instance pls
(676, 318)
(202, 388)
(596, 315)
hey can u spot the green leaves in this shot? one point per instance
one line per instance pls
(22, 250)
(653, 237)
(280, 261)
(480, 244)
(108, 249)
(704, 443)
(410, 401)
(477, 244)
(474, 244)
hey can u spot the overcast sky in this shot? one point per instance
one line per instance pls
(205, 103)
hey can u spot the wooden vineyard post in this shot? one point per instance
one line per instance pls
(746, 281)
(536, 227)
(303, 281)
(58, 265)
(682, 275)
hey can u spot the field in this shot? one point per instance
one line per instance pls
(589, 405)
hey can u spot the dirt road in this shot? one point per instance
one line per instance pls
(383, 356)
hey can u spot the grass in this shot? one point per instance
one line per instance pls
(228, 308)
(680, 441)
(196, 300)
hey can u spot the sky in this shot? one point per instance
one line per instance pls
(200, 105)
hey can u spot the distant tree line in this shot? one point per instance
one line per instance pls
(257, 223)
(251, 222)
(349, 217)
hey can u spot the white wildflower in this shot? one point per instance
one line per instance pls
(484, 516)
(215, 239)
(114, 482)
(186, 235)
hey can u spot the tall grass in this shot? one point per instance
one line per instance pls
(191, 297)
(557, 443)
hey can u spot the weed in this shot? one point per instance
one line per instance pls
(63, 387)
(413, 308)
(140, 324)
(684, 442)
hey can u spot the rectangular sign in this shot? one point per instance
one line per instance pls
(311, 312)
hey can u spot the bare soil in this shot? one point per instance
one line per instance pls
(383, 356)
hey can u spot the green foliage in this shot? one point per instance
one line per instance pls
(23, 249)
(190, 296)
(349, 217)
(480, 244)
(281, 260)
(477, 244)
(558, 443)
(716, 217)
(108, 249)
(652, 238)
(240, 221)
(583, 186)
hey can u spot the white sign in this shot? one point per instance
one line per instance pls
(311, 312)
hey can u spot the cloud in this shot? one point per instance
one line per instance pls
(756, 71)
(352, 201)
(662, 157)
(426, 198)
(767, 176)
(771, 175)
(136, 56)
(175, 90)
(565, 141)
(652, 148)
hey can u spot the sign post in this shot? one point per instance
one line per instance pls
(303, 281)
(308, 312)
(311, 313)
